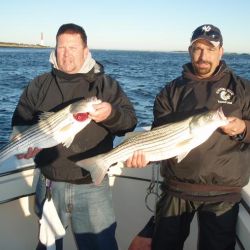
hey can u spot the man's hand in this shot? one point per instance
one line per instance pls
(138, 160)
(234, 127)
(102, 112)
(140, 243)
(32, 152)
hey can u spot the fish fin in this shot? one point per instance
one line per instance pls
(45, 115)
(183, 144)
(181, 156)
(132, 134)
(96, 166)
(116, 169)
(68, 142)
(66, 128)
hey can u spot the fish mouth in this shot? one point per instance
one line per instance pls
(80, 117)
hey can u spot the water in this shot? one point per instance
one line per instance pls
(141, 74)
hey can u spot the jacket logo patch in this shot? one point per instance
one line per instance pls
(225, 95)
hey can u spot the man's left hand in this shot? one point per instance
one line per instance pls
(102, 112)
(235, 126)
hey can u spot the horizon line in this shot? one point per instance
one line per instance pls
(27, 45)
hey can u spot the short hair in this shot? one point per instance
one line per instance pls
(72, 28)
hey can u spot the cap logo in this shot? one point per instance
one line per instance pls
(206, 28)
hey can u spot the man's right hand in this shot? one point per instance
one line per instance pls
(137, 160)
(32, 152)
(140, 243)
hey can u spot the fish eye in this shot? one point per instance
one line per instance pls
(210, 117)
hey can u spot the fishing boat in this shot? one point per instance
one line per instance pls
(135, 192)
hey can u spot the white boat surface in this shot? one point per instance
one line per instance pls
(19, 225)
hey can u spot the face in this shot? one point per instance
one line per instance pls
(205, 58)
(70, 52)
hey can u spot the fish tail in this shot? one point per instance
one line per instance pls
(96, 166)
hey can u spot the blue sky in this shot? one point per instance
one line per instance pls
(159, 25)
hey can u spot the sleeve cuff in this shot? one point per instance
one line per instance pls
(245, 136)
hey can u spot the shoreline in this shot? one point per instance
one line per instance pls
(38, 46)
(23, 45)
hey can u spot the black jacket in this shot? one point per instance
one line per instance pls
(55, 90)
(221, 160)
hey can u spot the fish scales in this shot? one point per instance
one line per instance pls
(153, 141)
(155, 138)
(146, 138)
(51, 130)
(47, 127)
(164, 142)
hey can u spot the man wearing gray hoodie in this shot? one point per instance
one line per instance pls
(76, 75)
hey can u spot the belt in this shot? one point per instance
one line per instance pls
(203, 192)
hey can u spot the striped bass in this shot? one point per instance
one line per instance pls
(52, 129)
(164, 142)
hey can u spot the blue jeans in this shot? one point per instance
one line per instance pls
(89, 207)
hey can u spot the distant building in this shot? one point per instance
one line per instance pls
(42, 41)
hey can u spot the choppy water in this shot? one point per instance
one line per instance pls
(141, 74)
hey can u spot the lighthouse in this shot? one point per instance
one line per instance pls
(42, 41)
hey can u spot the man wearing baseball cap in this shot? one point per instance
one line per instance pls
(209, 180)
(206, 50)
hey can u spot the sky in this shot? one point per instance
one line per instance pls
(151, 25)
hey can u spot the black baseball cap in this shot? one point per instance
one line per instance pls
(207, 32)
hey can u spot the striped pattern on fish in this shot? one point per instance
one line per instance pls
(52, 129)
(164, 142)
